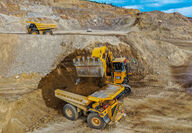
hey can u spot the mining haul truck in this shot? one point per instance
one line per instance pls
(40, 28)
(101, 108)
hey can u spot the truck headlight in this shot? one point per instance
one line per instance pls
(118, 77)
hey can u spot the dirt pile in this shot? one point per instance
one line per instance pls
(25, 114)
(64, 77)
(183, 75)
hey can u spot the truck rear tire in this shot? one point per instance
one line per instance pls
(95, 121)
(70, 112)
(48, 32)
(127, 90)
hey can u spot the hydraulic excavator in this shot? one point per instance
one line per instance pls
(101, 64)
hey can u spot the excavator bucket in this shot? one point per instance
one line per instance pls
(88, 67)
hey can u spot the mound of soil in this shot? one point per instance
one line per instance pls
(64, 77)
(183, 74)
(25, 114)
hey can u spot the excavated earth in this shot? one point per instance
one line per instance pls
(157, 45)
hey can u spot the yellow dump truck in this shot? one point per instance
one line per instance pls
(40, 28)
(101, 108)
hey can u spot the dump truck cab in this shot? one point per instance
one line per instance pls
(106, 104)
(32, 27)
(101, 108)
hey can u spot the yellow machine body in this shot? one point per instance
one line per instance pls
(119, 75)
(104, 102)
(40, 28)
(101, 64)
(105, 56)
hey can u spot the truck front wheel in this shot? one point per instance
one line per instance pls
(34, 32)
(70, 112)
(95, 121)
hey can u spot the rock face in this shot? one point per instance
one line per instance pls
(41, 54)
(68, 15)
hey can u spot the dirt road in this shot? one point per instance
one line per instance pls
(85, 32)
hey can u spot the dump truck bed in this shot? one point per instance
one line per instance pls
(72, 98)
(109, 92)
(42, 26)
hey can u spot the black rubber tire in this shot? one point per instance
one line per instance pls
(73, 109)
(48, 32)
(51, 32)
(34, 31)
(127, 90)
(125, 81)
(90, 124)
(80, 113)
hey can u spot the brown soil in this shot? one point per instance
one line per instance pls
(25, 114)
(183, 75)
(64, 77)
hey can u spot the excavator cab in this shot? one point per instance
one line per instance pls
(121, 71)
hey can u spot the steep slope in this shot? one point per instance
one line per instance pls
(68, 15)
